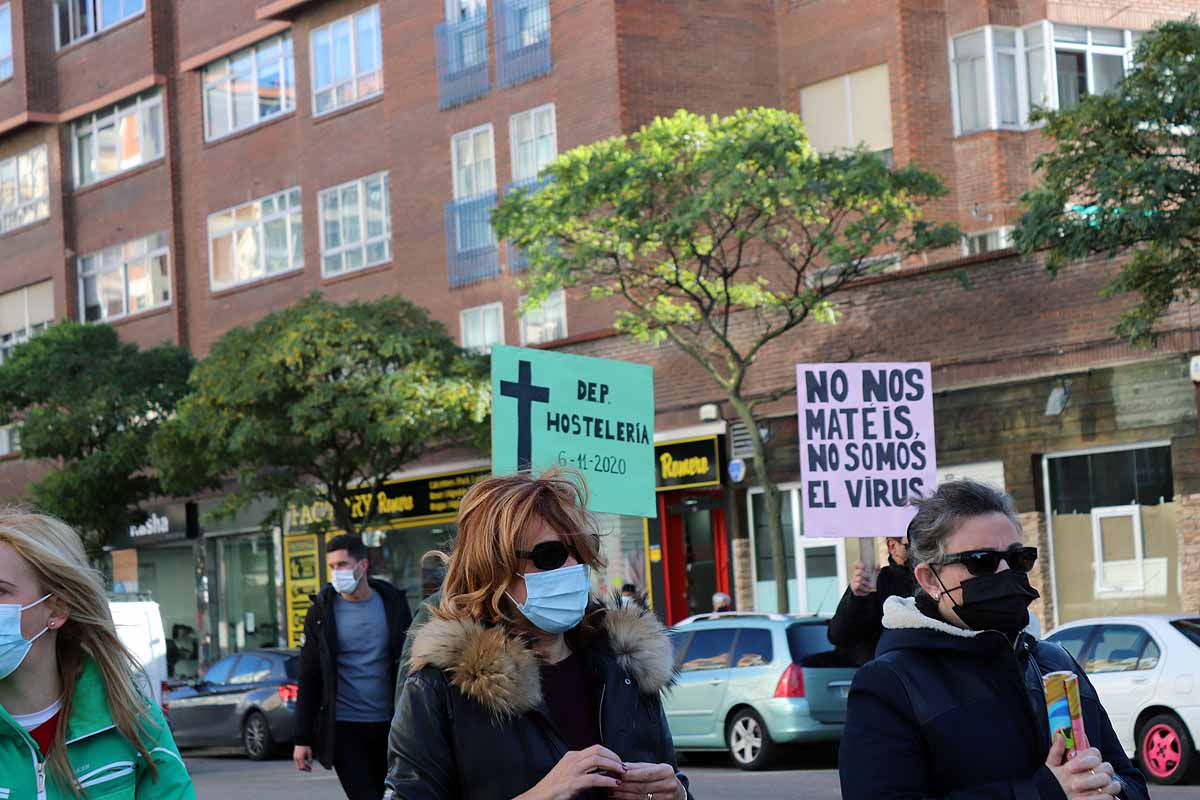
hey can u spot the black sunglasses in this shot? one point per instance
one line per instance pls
(548, 555)
(986, 562)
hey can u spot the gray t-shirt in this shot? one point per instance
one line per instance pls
(364, 691)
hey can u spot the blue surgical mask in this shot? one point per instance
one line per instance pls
(555, 599)
(13, 646)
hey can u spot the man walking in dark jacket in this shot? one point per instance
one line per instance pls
(353, 636)
(858, 623)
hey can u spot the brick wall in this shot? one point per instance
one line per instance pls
(1033, 524)
(1188, 527)
(709, 57)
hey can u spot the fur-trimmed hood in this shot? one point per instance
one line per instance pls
(901, 613)
(500, 670)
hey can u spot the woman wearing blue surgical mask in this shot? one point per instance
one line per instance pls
(521, 686)
(73, 723)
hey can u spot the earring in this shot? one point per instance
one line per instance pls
(937, 596)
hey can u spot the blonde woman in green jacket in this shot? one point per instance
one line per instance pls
(72, 722)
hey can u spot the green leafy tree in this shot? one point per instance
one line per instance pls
(89, 404)
(720, 235)
(1124, 177)
(321, 401)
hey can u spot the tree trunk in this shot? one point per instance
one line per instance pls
(771, 501)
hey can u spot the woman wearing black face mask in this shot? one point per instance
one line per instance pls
(953, 706)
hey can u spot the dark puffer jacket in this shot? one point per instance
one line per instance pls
(961, 715)
(471, 722)
(317, 698)
(858, 623)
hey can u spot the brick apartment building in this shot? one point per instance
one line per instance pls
(181, 168)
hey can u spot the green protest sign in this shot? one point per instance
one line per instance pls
(592, 414)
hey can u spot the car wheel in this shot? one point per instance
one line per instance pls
(1165, 749)
(748, 740)
(256, 736)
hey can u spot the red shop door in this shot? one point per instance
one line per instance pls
(695, 551)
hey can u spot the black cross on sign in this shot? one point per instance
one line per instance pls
(526, 395)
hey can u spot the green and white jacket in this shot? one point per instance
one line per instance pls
(106, 764)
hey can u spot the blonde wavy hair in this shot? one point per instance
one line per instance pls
(56, 554)
(492, 519)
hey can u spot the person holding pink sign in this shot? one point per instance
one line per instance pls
(953, 706)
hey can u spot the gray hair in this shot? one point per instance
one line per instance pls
(942, 513)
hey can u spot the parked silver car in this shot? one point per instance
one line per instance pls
(248, 698)
(750, 682)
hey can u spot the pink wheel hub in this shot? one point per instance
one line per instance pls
(1161, 751)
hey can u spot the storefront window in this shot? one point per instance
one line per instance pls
(1112, 524)
(623, 548)
(400, 558)
(764, 562)
(243, 610)
(168, 576)
(816, 581)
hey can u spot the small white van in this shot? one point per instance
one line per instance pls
(139, 626)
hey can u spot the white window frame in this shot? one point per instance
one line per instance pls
(512, 138)
(10, 440)
(149, 254)
(363, 242)
(92, 123)
(470, 135)
(454, 9)
(355, 77)
(800, 543)
(39, 203)
(1134, 512)
(295, 260)
(1049, 504)
(6, 63)
(1003, 239)
(287, 70)
(1089, 49)
(559, 297)
(96, 29)
(848, 105)
(1021, 51)
(480, 310)
(23, 334)
(990, 48)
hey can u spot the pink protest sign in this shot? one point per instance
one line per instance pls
(866, 446)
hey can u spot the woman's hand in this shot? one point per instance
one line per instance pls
(1084, 777)
(643, 780)
(577, 771)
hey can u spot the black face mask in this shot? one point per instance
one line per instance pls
(996, 602)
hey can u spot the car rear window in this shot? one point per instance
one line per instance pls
(808, 639)
(291, 666)
(1189, 628)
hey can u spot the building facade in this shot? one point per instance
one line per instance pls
(178, 169)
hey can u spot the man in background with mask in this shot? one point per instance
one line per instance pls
(353, 637)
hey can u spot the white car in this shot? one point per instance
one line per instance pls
(139, 626)
(1147, 672)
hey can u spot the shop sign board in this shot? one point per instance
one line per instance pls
(400, 503)
(866, 446)
(162, 524)
(595, 415)
(301, 579)
(687, 463)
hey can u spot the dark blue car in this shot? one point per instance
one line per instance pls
(246, 699)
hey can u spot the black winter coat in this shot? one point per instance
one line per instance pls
(945, 713)
(471, 723)
(317, 699)
(858, 622)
